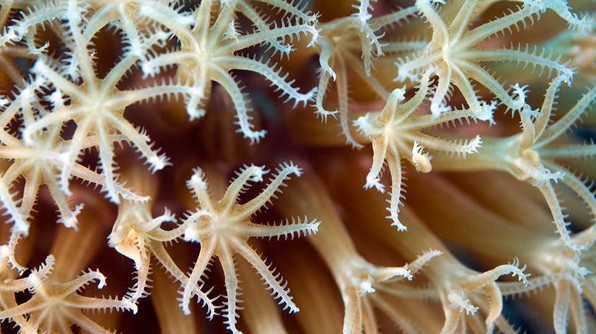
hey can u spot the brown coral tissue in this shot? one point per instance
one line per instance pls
(297, 166)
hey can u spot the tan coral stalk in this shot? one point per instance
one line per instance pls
(467, 296)
(356, 277)
(170, 316)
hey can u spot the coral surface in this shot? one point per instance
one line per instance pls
(219, 166)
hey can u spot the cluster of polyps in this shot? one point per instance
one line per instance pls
(83, 82)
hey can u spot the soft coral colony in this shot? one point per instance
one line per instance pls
(482, 98)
